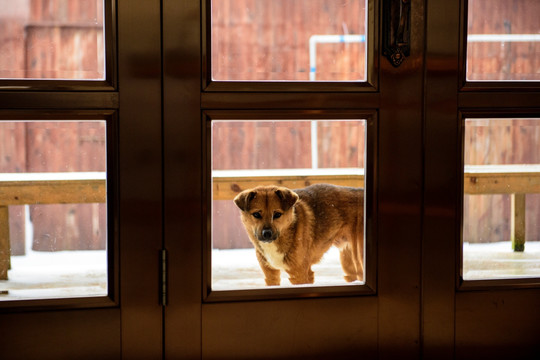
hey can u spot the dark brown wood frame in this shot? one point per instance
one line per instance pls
(490, 284)
(112, 298)
(370, 286)
(372, 67)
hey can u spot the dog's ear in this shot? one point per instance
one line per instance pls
(287, 197)
(243, 199)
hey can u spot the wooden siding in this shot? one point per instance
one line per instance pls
(269, 40)
(55, 39)
(504, 60)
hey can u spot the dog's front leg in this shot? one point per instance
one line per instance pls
(301, 276)
(271, 276)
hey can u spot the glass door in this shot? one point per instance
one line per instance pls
(292, 172)
(480, 261)
(79, 180)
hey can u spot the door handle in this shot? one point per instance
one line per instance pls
(397, 30)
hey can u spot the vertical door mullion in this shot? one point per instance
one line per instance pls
(140, 223)
(440, 179)
(183, 177)
(400, 192)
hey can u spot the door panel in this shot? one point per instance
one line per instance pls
(310, 328)
(130, 326)
(384, 324)
(44, 335)
(465, 319)
(497, 324)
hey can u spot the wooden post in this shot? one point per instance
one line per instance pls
(517, 228)
(5, 252)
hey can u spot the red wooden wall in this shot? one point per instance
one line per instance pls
(269, 40)
(59, 39)
(510, 60)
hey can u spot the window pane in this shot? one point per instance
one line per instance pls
(290, 155)
(52, 39)
(501, 224)
(288, 40)
(53, 212)
(503, 40)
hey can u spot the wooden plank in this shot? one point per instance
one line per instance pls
(53, 192)
(502, 179)
(227, 184)
(53, 188)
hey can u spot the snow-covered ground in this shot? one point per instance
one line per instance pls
(499, 261)
(56, 275)
(84, 273)
(239, 269)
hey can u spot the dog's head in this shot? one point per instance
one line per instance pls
(266, 211)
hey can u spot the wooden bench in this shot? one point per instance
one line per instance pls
(44, 188)
(515, 180)
(226, 184)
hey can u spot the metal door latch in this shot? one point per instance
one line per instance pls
(397, 30)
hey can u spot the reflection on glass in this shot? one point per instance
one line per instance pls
(56, 39)
(501, 213)
(53, 214)
(288, 40)
(290, 155)
(503, 41)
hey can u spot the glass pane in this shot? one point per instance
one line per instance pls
(53, 212)
(503, 41)
(501, 224)
(52, 39)
(288, 40)
(289, 227)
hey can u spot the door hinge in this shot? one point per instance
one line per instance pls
(163, 287)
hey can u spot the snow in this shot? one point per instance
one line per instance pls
(84, 273)
(239, 269)
(59, 274)
(499, 261)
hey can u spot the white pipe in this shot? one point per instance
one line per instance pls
(503, 37)
(327, 39)
(314, 145)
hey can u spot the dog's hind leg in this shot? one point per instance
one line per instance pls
(347, 263)
(357, 251)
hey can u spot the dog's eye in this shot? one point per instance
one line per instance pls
(277, 215)
(257, 215)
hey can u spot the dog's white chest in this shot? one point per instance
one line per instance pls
(273, 256)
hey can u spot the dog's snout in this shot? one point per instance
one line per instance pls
(267, 234)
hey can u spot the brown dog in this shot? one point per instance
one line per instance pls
(292, 230)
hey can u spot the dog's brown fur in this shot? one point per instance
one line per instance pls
(311, 220)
